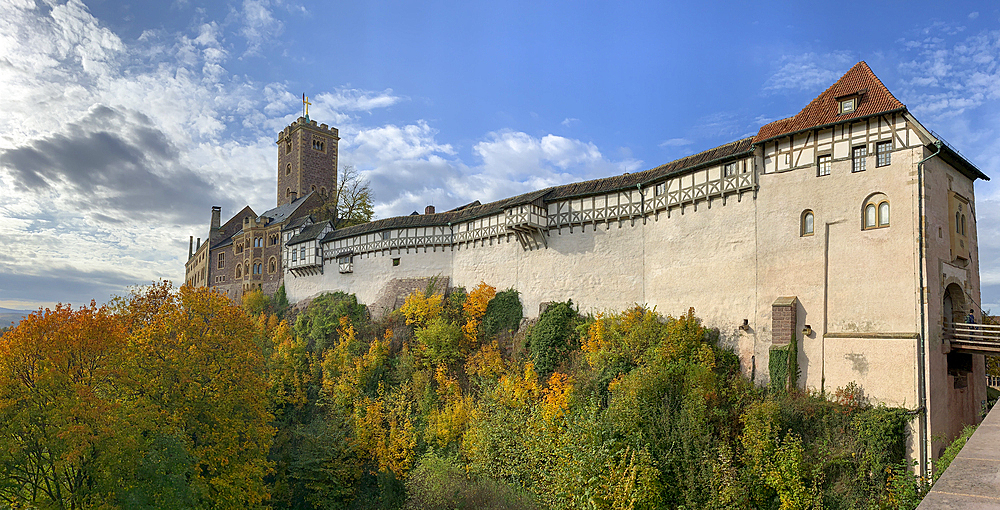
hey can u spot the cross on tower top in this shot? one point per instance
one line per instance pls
(305, 105)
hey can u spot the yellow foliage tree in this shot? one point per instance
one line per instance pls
(383, 427)
(419, 308)
(345, 375)
(486, 363)
(474, 308)
(200, 361)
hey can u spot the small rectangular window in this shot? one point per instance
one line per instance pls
(858, 156)
(395, 262)
(823, 165)
(847, 105)
(222, 260)
(883, 153)
(731, 169)
(659, 189)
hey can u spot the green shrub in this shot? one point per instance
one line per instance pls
(550, 339)
(777, 367)
(952, 451)
(442, 341)
(439, 482)
(319, 322)
(503, 313)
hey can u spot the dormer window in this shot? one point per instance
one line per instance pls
(848, 105)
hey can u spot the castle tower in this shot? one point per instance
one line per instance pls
(307, 159)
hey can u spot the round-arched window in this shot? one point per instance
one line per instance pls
(875, 212)
(807, 223)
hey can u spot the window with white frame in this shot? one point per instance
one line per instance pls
(823, 165)
(858, 156)
(848, 105)
(883, 153)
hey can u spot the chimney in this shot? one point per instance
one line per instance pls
(216, 222)
(199, 245)
(429, 209)
(190, 246)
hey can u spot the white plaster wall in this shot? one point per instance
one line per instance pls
(372, 271)
(857, 289)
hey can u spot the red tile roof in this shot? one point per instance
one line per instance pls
(873, 99)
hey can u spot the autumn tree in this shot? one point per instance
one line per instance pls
(199, 362)
(351, 203)
(60, 421)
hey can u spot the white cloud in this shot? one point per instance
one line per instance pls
(675, 142)
(258, 24)
(357, 100)
(809, 71)
(569, 121)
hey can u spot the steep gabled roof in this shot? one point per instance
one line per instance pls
(285, 211)
(308, 233)
(873, 99)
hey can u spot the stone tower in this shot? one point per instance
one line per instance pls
(307, 159)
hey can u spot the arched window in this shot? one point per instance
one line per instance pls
(806, 228)
(288, 192)
(239, 271)
(958, 222)
(870, 216)
(313, 188)
(963, 224)
(288, 169)
(272, 265)
(322, 190)
(875, 212)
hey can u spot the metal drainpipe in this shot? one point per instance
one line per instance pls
(921, 341)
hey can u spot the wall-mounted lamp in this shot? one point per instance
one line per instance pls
(807, 331)
(746, 325)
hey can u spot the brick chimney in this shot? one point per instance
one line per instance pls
(429, 209)
(216, 222)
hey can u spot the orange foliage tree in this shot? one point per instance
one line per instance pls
(59, 418)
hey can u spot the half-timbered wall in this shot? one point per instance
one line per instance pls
(726, 239)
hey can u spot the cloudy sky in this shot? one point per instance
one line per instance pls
(121, 124)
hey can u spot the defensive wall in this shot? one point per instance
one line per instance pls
(811, 231)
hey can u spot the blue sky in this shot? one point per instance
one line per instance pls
(121, 124)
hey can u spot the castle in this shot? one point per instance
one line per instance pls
(848, 229)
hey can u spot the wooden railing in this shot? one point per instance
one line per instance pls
(980, 338)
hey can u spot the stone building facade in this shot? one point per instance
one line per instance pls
(245, 253)
(848, 229)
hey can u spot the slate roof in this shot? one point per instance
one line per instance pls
(874, 99)
(585, 188)
(297, 222)
(282, 212)
(308, 233)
